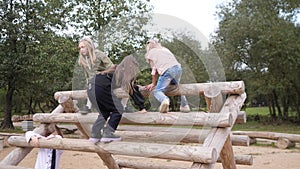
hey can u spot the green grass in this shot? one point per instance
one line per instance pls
(262, 126)
(258, 120)
(252, 111)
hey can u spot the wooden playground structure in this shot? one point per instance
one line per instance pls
(201, 138)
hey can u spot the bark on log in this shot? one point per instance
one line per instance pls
(171, 118)
(109, 161)
(146, 163)
(18, 154)
(218, 136)
(15, 156)
(153, 150)
(182, 136)
(269, 135)
(241, 118)
(234, 87)
(227, 155)
(213, 98)
(284, 143)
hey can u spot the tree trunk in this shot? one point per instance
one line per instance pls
(7, 122)
(277, 104)
(40, 107)
(270, 105)
(273, 110)
(286, 104)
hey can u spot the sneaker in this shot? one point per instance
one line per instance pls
(164, 106)
(94, 140)
(109, 137)
(85, 110)
(185, 108)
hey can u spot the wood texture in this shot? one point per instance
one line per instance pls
(269, 135)
(152, 150)
(217, 136)
(234, 87)
(170, 118)
(284, 143)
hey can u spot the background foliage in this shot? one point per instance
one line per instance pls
(258, 42)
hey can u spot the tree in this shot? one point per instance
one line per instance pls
(258, 41)
(27, 27)
(117, 25)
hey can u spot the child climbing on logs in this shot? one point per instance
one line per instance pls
(46, 158)
(101, 94)
(92, 61)
(164, 64)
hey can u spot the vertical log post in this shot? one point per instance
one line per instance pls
(227, 155)
(213, 98)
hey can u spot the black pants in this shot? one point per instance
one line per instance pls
(107, 104)
(137, 96)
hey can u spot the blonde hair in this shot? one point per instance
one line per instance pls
(126, 72)
(91, 50)
(151, 44)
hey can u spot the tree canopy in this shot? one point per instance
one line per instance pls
(38, 51)
(259, 43)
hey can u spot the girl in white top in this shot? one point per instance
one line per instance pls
(164, 64)
(44, 157)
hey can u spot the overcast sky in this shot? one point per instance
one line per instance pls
(199, 13)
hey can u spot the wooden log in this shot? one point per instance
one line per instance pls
(58, 109)
(182, 136)
(284, 143)
(227, 156)
(243, 159)
(170, 118)
(213, 98)
(75, 95)
(18, 154)
(108, 160)
(152, 150)
(234, 87)
(147, 163)
(15, 156)
(252, 140)
(218, 136)
(269, 135)
(241, 118)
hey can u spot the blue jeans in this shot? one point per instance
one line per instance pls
(170, 76)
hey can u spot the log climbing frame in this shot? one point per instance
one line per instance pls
(200, 139)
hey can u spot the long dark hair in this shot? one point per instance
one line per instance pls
(126, 72)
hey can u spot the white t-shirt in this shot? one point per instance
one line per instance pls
(44, 156)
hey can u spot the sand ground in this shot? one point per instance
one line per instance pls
(264, 157)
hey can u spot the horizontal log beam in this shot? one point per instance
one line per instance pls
(269, 135)
(170, 118)
(150, 150)
(176, 136)
(146, 163)
(234, 87)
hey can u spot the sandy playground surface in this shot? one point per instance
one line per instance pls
(264, 157)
